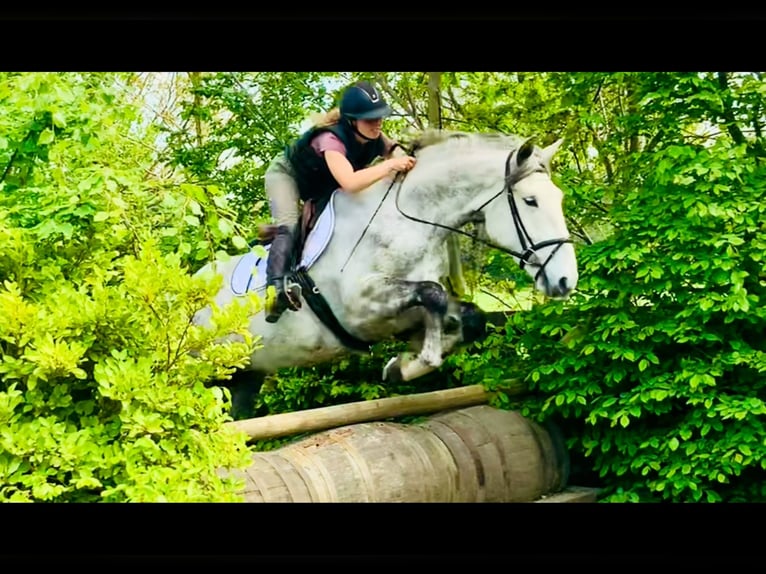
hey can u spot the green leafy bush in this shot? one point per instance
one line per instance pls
(108, 389)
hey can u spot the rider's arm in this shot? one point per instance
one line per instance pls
(353, 181)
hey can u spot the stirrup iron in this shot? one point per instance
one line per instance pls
(278, 301)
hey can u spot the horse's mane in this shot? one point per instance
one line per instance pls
(431, 137)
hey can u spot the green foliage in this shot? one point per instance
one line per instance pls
(209, 229)
(235, 123)
(106, 390)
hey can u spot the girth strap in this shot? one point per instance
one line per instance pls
(319, 305)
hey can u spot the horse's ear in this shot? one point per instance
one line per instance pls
(548, 152)
(525, 150)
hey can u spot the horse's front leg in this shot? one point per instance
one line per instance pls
(464, 323)
(434, 300)
(401, 296)
(406, 367)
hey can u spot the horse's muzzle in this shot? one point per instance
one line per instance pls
(560, 290)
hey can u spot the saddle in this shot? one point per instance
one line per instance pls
(310, 212)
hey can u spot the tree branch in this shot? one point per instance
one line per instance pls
(728, 112)
(408, 105)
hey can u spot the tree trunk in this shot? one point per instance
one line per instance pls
(456, 277)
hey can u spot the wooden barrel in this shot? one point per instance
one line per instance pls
(474, 454)
(501, 456)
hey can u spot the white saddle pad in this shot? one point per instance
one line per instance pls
(250, 272)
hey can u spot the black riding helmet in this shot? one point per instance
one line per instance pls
(361, 101)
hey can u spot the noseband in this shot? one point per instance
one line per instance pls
(529, 255)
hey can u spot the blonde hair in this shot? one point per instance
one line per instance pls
(325, 119)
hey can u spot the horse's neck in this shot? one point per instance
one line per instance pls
(450, 184)
(442, 190)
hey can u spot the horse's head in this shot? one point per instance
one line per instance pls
(527, 219)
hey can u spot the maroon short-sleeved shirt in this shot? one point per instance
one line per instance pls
(327, 141)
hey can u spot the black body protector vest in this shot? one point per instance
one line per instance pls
(311, 172)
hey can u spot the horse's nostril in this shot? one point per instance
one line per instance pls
(563, 285)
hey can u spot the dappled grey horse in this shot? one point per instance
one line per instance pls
(373, 265)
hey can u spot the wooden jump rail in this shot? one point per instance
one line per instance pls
(312, 420)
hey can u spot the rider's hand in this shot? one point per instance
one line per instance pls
(404, 163)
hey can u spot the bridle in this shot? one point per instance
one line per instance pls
(529, 255)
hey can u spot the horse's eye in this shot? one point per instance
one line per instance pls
(530, 201)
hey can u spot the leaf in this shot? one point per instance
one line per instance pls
(239, 242)
(59, 119)
(225, 227)
(46, 136)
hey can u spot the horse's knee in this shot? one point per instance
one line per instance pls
(432, 296)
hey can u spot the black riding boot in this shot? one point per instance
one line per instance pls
(278, 299)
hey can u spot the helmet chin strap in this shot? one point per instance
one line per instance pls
(357, 132)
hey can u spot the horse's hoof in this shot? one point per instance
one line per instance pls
(392, 372)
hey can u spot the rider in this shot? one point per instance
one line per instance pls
(335, 153)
